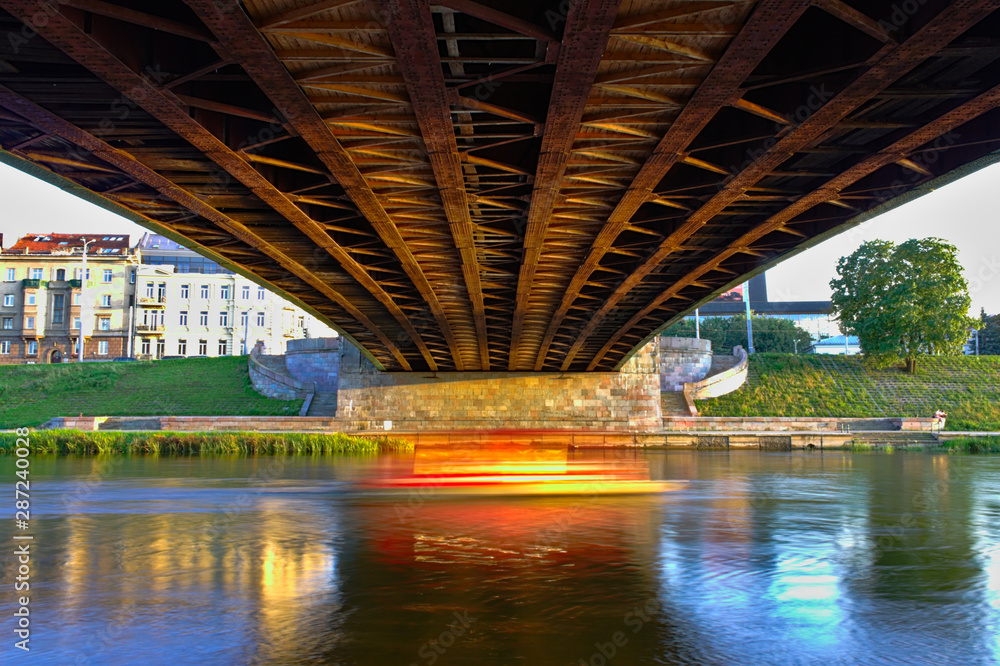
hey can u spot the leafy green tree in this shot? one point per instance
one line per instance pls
(903, 301)
(989, 334)
(770, 334)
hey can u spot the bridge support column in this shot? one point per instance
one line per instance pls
(627, 401)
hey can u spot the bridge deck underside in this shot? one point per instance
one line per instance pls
(484, 185)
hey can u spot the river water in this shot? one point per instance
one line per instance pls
(763, 558)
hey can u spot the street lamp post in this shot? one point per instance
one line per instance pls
(83, 301)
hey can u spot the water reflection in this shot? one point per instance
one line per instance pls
(762, 558)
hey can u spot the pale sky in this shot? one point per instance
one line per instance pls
(964, 213)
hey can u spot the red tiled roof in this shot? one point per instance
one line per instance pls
(67, 243)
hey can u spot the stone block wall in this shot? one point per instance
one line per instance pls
(722, 383)
(627, 400)
(272, 384)
(683, 360)
(314, 361)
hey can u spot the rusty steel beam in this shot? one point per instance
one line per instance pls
(50, 123)
(769, 22)
(888, 65)
(588, 26)
(830, 190)
(497, 17)
(411, 29)
(119, 13)
(237, 34)
(167, 109)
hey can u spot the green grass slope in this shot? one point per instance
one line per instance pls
(966, 387)
(32, 394)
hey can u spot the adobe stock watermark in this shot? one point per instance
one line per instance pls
(634, 620)
(432, 650)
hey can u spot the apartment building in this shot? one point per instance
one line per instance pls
(188, 305)
(47, 302)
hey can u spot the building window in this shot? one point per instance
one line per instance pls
(76, 323)
(36, 273)
(108, 274)
(223, 347)
(102, 348)
(203, 347)
(32, 348)
(29, 298)
(260, 318)
(161, 292)
(161, 347)
(182, 347)
(131, 276)
(149, 290)
(76, 298)
(203, 319)
(185, 291)
(76, 347)
(204, 291)
(57, 308)
(183, 318)
(8, 300)
(60, 274)
(144, 347)
(260, 293)
(246, 292)
(224, 291)
(11, 274)
(8, 322)
(105, 300)
(5, 347)
(29, 322)
(224, 318)
(104, 323)
(244, 318)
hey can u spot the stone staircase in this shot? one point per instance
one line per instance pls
(323, 404)
(896, 439)
(672, 403)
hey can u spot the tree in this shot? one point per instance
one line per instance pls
(989, 334)
(903, 301)
(770, 334)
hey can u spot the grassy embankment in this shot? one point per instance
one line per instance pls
(32, 394)
(966, 387)
(89, 443)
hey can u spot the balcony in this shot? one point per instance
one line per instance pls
(28, 283)
(151, 329)
(75, 284)
(153, 301)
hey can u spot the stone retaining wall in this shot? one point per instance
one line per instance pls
(722, 383)
(683, 360)
(625, 401)
(273, 384)
(314, 361)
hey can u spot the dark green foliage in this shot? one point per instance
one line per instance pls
(32, 394)
(974, 444)
(769, 334)
(989, 334)
(966, 387)
(89, 443)
(903, 301)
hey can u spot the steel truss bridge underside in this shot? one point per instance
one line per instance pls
(502, 185)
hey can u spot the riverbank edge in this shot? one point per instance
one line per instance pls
(155, 442)
(78, 442)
